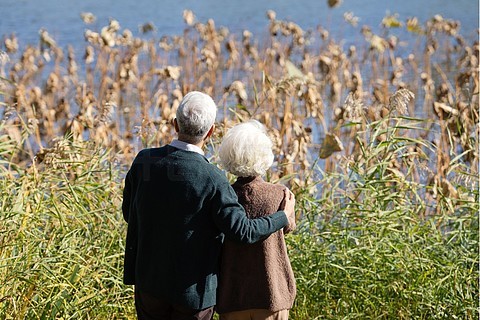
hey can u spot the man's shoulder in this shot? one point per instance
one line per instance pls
(152, 152)
(210, 171)
(217, 174)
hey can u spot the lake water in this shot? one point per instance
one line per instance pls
(61, 18)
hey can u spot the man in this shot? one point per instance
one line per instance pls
(179, 208)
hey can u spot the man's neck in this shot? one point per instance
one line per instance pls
(199, 144)
(187, 146)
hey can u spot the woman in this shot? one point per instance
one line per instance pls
(256, 280)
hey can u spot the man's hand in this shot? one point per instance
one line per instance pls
(289, 209)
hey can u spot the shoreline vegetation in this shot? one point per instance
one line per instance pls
(378, 139)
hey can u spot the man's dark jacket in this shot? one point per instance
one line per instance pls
(179, 207)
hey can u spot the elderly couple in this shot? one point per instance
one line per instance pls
(198, 245)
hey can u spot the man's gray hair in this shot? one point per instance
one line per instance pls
(246, 150)
(195, 116)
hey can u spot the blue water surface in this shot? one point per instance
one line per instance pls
(61, 18)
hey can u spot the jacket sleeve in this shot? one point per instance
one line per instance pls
(130, 186)
(127, 196)
(131, 241)
(231, 219)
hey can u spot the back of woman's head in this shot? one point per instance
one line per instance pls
(246, 150)
(195, 116)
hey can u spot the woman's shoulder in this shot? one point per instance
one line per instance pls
(273, 187)
(273, 192)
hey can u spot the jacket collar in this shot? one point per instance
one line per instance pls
(186, 146)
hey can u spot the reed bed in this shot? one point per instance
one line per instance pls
(60, 240)
(378, 244)
(378, 139)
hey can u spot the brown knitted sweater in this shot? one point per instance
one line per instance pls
(259, 275)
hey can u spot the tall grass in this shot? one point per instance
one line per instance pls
(387, 186)
(372, 246)
(370, 242)
(61, 239)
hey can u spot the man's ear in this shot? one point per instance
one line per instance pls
(175, 124)
(210, 132)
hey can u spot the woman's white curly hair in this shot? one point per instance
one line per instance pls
(246, 150)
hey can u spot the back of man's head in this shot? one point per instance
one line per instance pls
(195, 116)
